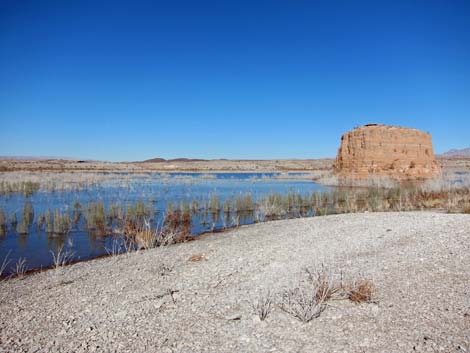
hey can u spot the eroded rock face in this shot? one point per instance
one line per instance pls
(397, 152)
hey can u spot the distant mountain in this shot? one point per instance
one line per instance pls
(161, 160)
(463, 153)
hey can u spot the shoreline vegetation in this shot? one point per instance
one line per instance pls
(138, 225)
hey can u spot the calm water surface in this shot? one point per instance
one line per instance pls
(156, 190)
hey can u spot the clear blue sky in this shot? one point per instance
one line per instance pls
(131, 80)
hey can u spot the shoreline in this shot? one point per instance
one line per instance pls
(418, 262)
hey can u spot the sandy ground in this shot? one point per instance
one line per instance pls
(159, 301)
(221, 165)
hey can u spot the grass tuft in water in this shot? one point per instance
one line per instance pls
(27, 219)
(62, 223)
(3, 222)
(96, 218)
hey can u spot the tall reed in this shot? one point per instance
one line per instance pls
(96, 217)
(62, 223)
(27, 218)
(3, 222)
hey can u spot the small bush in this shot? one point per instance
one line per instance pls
(263, 305)
(361, 291)
(302, 303)
(308, 300)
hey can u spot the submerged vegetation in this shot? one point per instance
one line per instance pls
(131, 218)
(146, 223)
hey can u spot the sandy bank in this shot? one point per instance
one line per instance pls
(157, 300)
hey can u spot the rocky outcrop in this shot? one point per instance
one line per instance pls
(382, 150)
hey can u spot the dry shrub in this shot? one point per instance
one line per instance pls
(309, 298)
(178, 224)
(264, 305)
(302, 302)
(325, 281)
(361, 291)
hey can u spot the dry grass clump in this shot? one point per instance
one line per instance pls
(264, 305)
(310, 298)
(361, 291)
(4, 264)
(21, 267)
(62, 256)
(176, 227)
(302, 302)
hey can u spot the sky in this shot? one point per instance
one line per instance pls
(131, 80)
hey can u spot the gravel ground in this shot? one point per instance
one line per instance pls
(159, 300)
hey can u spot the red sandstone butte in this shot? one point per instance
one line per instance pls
(383, 150)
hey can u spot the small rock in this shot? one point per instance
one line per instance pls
(233, 317)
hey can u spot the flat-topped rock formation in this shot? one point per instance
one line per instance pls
(383, 150)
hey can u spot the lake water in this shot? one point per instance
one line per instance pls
(155, 190)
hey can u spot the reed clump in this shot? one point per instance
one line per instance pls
(49, 222)
(3, 222)
(96, 218)
(26, 219)
(115, 214)
(77, 212)
(177, 225)
(136, 216)
(244, 203)
(62, 223)
(214, 203)
(26, 188)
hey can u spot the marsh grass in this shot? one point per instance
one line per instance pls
(96, 218)
(26, 219)
(26, 188)
(116, 214)
(77, 212)
(244, 203)
(3, 222)
(214, 203)
(13, 220)
(49, 223)
(62, 223)
(136, 214)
